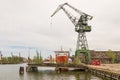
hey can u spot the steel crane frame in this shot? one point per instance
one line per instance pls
(81, 26)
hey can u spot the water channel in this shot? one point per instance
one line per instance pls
(11, 72)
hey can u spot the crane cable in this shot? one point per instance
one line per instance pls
(51, 22)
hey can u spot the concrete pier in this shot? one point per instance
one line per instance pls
(108, 71)
(31, 68)
(60, 67)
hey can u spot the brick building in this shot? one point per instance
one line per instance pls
(103, 56)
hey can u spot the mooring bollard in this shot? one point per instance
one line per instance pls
(21, 70)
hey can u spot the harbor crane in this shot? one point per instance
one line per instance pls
(81, 27)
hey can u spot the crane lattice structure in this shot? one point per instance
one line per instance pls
(81, 26)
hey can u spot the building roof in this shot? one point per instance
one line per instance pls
(61, 51)
(99, 54)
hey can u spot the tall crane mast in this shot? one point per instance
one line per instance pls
(81, 26)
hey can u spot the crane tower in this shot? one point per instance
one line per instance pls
(81, 27)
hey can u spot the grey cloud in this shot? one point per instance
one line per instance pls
(27, 23)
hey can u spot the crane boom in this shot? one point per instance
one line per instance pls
(73, 19)
(58, 8)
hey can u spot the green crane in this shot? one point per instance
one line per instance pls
(81, 27)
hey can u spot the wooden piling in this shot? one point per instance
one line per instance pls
(21, 70)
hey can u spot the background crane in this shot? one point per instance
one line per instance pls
(81, 26)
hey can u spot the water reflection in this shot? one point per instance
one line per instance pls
(52, 75)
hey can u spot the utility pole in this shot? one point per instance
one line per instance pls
(0, 57)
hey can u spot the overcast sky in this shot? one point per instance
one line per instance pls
(25, 25)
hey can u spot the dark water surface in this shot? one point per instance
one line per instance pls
(11, 72)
